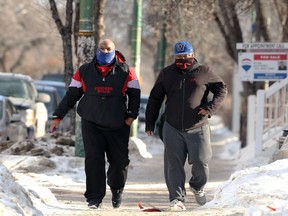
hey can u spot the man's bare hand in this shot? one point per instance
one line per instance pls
(203, 112)
(129, 121)
(150, 133)
(54, 125)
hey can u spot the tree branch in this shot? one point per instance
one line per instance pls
(76, 25)
(69, 16)
(225, 35)
(56, 17)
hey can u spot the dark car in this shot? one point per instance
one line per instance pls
(142, 109)
(60, 86)
(54, 97)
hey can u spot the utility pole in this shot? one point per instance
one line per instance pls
(160, 58)
(161, 48)
(136, 47)
(85, 53)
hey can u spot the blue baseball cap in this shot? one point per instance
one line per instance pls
(182, 48)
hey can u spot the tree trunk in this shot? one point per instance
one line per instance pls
(282, 10)
(99, 21)
(76, 26)
(66, 35)
(261, 25)
(228, 23)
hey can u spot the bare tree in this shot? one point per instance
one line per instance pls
(65, 31)
(282, 8)
(24, 50)
(226, 17)
(99, 24)
(23, 36)
(76, 24)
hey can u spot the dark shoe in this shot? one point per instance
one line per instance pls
(116, 198)
(94, 204)
(199, 196)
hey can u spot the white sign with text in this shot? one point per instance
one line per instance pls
(262, 66)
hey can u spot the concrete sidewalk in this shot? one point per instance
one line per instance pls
(146, 183)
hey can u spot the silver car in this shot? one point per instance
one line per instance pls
(21, 91)
(11, 126)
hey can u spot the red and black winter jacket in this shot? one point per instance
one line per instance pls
(186, 92)
(108, 94)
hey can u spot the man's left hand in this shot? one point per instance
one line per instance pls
(129, 121)
(203, 112)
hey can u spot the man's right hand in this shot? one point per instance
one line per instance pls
(54, 125)
(150, 133)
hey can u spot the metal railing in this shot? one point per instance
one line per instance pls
(267, 115)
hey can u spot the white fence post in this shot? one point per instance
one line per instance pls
(260, 103)
(251, 126)
(266, 119)
(236, 100)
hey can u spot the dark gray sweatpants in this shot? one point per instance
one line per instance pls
(178, 145)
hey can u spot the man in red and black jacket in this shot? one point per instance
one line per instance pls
(109, 94)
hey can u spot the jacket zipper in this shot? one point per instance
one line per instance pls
(183, 98)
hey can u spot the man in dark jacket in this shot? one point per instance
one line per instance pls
(186, 85)
(102, 87)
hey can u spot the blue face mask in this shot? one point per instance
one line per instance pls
(105, 58)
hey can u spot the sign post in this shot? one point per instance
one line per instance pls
(262, 61)
(257, 62)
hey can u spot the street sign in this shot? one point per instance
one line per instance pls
(262, 66)
(262, 46)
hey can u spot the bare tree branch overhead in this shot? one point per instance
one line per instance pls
(56, 17)
(66, 35)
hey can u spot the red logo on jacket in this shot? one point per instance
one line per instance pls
(193, 79)
(105, 90)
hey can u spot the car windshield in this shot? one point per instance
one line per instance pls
(14, 88)
(1, 110)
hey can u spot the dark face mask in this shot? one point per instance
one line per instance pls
(184, 63)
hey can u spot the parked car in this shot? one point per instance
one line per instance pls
(56, 90)
(22, 92)
(54, 97)
(142, 109)
(11, 126)
(60, 86)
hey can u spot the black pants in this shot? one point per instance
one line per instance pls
(97, 142)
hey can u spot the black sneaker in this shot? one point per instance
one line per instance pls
(94, 204)
(116, 198)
